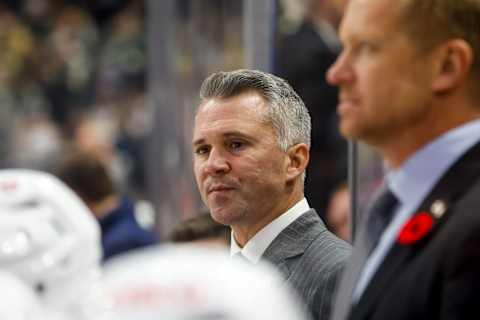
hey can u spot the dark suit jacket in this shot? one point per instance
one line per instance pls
(437, 277)
(310, 258)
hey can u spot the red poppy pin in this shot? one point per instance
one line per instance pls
(415, 229)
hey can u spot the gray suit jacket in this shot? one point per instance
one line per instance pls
(310, 257)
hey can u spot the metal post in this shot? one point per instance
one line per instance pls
(259, 34)
(164, 152)
(353, 185)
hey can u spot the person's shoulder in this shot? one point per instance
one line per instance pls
(127, 227)
(326, 248)
(329, 246)
(462, 215)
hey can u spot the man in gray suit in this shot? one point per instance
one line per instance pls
(251, 145)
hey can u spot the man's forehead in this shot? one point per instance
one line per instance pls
(360, 12)
(367, 15)
(247, 107)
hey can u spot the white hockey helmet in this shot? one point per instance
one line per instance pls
(189, 283)
(19, 302)
(48, 237)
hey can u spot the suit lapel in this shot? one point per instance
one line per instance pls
(446, 192)
(294, 240)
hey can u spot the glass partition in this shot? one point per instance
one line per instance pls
(120, 79)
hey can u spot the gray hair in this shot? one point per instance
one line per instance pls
(286, 111)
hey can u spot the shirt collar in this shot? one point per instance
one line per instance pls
(412, 181)
(256, 246)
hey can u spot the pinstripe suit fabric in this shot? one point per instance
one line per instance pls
(310, 257)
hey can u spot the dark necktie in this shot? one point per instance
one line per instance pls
(378, 217)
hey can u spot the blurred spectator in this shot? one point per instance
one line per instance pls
(35, 141)
(135, 127)
(202, 230)
(38, 14)
(122, 62)
(121, 229)
(68, 65)
(17, 45)
(303, 59)
(338, 212)
(96, 133)
(19, 93)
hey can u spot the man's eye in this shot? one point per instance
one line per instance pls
(236, 145)
(365, 47)
(201, 150)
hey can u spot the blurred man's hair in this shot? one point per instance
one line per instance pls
(430, 22)
(201, 227)
(87, 175)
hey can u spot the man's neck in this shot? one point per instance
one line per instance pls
(244, 232)
(398, 149)
(102, 208)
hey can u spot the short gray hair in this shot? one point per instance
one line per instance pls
(286, 111)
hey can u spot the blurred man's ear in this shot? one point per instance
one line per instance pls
(298, 157)
(455, 59)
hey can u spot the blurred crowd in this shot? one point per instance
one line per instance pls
(73, 78)
(72, 74)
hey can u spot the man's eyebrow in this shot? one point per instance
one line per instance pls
(228, 134)
(198, 141)
(235, 133)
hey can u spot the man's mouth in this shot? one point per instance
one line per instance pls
(346, 104)
(219, 188)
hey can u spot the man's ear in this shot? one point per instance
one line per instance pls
(455, 59)
(298, 157)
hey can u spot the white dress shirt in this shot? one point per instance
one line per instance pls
(256, 246)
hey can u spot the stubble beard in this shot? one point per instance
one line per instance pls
(229, 216)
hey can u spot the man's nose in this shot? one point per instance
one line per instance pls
(217, 163)
(340, 72)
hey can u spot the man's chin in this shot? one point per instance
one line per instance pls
(353, 130)
(348, 132)
(224, 216)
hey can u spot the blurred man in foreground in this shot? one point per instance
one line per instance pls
(408, 77)
(251, 147)
(201, 230)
